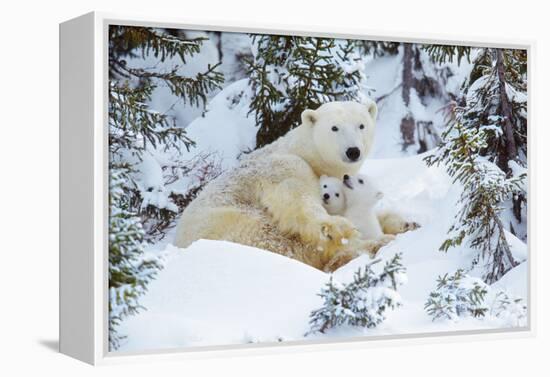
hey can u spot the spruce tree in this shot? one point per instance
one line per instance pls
(135, 128)
(290, 74)
(364, 301)
(485, 187)
(130, 270)
(137, 131)
(460, 296)
(484, 141)
(457, 295)
(378, 49)
(495, 94)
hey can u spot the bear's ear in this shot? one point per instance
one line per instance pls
(372, 109)
(309, 117)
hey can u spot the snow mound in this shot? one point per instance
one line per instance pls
(217, 292)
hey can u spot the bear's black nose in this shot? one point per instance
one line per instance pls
(346, 177)
(326, 196)
(353, 153)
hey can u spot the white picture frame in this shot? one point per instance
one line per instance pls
(84, 192)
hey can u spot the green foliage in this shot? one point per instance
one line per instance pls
(486, 134)
(378, 48)
(136, 130)
(363, 302)
(494, 94)
(290, 74)
(129, 269)
(498, 101)
(485, 187)
(132, 40)
(456, 296)
(133, 125)
(447, 53)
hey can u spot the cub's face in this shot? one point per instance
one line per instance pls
(342, 132)
(360, 191)
(332, 195)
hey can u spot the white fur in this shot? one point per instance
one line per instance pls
(332, 195)
(361, 198)
(272, 199)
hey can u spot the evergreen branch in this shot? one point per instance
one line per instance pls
(190, 89)
(445, 53)
(483, 190)
(457, 295)
(124, 40)
(362, 302)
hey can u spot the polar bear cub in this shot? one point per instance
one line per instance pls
(361, 196)
(354, 197)
(332, 195)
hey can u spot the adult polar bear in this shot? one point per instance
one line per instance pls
(272, 199)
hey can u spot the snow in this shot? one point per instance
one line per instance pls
(226, 129)
(221, 136)
(384, 78)
(151, 184)
(219, 293)
(162, 98)
(235, 46)
(515, 281)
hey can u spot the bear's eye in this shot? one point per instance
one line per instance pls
(362, 126)
(337, 195)
(334, 128)
(361, 181)
(324, 186)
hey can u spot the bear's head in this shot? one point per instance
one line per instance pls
(342, 134)
(332, 195)
(360, 191)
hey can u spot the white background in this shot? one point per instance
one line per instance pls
(29, 183)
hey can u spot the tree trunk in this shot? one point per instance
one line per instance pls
(408, 122)
(408, 78)
(502, 258)
(506, 110)
(219, 46)
(510, 152)
(407, 129)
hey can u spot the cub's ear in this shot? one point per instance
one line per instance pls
(309, 117)
(372, 109)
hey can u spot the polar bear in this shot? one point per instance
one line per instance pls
(332, 195)
(271, 200)
(362, 195)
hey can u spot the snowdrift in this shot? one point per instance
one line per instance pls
(219, 293)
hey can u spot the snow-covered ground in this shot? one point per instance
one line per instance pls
(219, 293)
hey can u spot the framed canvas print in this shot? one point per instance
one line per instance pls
(237, 189)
